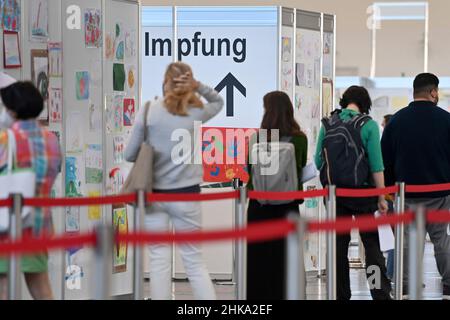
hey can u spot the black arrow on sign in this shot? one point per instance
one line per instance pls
(230, 82)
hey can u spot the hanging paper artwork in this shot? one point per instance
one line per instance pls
(92, 28)
(82, 85)
(120, 225)
(109, 46)
(11, 50)
(73, 180)
(95, 118)
(119, 42)
(224, 158)
(114, 114)
(131, 77)
(116, 179)
(55, 103)
(55, 59)
(118, 77)
(10, 10)
(94, 164)
(118, 147)
(130, 44)
(74, 133)
(39, 20)
(94, 212)
(128, 112)
(39, 71)
(72, 219)
(286, 66)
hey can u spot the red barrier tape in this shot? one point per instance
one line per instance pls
(363, 223)
(294, 195)
(174, 197)
(68, 202)
(427, 188)
(33, 245)
(261, 231)
(6, 203)
(441, 216)
(361, 193)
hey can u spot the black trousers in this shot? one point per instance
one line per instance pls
(375, 262)
(266, 261)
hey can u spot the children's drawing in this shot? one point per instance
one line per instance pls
(10, 10)
(38, 20)
(116, 179)
(95, 118)
(94, 212)
(128, 112)
(73, 181)
(120, 225)
(72, 219)
(92, 28)
(94, 164)
(82, 85)
(119, 147)
(109, 46)
(55, 59)
(55, 103)
(74, 133)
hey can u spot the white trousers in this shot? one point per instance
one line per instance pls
(186, 217)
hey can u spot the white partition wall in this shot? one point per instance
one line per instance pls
(89, 51)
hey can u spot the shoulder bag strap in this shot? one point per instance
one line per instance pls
(146, 108)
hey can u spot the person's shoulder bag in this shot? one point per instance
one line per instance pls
(141, 174)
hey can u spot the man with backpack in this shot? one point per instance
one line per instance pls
(348, 155)
(416, 151)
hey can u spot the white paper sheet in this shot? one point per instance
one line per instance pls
(386, 235)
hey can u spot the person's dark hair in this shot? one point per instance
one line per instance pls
(279, 114)
(387, 118)
(359, 96)
(24, 99)
(424, 83)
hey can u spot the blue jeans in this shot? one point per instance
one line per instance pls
(390, 264)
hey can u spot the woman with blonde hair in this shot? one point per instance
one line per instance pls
(169, 120)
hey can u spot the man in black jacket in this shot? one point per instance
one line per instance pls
(416, 150)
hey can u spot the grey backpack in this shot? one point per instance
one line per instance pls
(274, 168)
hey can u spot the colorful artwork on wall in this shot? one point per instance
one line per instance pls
(92, 28)
(82, 85)
(225, 154)
(120, 250)
(10, 10)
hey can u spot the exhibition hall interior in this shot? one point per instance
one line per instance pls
(224, 150)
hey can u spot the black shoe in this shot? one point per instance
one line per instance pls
(446, 293)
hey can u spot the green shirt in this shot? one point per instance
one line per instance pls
(301, 154)
(370, 135)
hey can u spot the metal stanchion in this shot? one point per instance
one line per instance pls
(331, 246)
(15, 233)
(236, 184)
(103, 262)
(138, 272)
(241, 246)
(399, 234)
(416, 242)
(295, 263)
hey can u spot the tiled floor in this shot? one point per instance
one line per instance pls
(316, 287)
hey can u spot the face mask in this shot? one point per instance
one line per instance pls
(6, 120)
